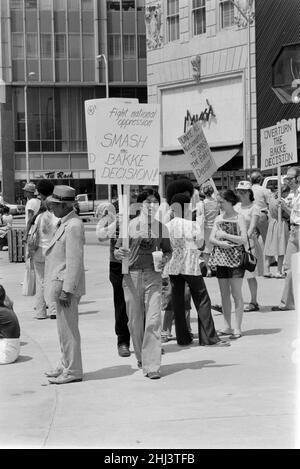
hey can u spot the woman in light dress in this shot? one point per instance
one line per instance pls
(251, 213)
(278, 233)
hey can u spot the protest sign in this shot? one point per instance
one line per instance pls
(123, 141)
(279, 145)
(92, 109)
(196, 148)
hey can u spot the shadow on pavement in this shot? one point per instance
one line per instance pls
(86, 302)
(112, 372)
(176, 367)
(262, 332)
(23, 358)
(88, 312)
(23, 343)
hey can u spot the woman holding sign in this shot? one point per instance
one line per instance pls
(149, 247)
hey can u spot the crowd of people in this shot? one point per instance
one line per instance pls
(171, 246)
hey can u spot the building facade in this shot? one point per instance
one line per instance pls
(198, 56)
(278, 63)
(49, 52)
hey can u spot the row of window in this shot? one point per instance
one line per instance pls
(56, 117)
(47, 4)
(227, 13)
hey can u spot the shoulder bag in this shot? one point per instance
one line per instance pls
(248, 260)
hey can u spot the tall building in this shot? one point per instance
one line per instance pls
(49, 52)
(199, 61)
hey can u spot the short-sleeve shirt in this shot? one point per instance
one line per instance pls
(9, 324)
(248, 212)
(142, 243)
(185, 255)
(34, 205)
(261, 196)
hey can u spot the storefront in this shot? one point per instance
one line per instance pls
(219, 105)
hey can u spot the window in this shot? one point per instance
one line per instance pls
(87, 4)
(113, 5)
(31, 46)
(142, 46)
(173, 20)
(31, 4)
(17, 46)
(129, 46)
(199, 17)
(114, 46)
(16, 4)
(74, 46)
(227, 13)
(60, 46)
(46, 46)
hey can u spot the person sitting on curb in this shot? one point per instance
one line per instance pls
(9, 330)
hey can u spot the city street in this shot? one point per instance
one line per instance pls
(241, 396)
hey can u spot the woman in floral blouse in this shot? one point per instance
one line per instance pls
(186, 238)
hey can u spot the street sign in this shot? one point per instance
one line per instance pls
(279, 145)
(123, 141)
(196, 148)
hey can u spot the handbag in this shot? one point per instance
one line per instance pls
(248, 260)
(28, 288)
(222, 257)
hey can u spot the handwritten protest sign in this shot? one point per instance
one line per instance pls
(92, 109)
(279, 145)
(123, 141)
(196, 148)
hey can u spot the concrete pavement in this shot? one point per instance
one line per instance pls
(241, 396)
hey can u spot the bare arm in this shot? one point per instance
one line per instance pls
(253, 224)
(216, 241)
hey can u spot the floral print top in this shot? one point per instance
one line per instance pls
(186, 238)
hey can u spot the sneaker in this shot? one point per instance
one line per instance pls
(52, 316)
(40, 317)
(153, 375)
(164, 339)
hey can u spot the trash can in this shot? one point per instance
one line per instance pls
(16, 245)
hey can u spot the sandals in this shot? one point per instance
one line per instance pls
(235, 336)
(252, 307)
(269, 275)
(224, 333)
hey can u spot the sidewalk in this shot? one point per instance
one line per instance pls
(241, 396)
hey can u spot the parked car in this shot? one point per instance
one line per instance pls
(84, 205)
(271, 183)
(15, 209)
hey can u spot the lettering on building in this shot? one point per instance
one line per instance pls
(204, 116)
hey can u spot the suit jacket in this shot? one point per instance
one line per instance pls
(64, 256)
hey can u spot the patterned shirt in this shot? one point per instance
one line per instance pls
(186, 255)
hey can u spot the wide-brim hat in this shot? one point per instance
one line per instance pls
(244, 185)
(62, 194)
(29, 187)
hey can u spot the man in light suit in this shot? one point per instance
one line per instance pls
(65, 283)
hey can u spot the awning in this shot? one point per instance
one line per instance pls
(180, 164)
